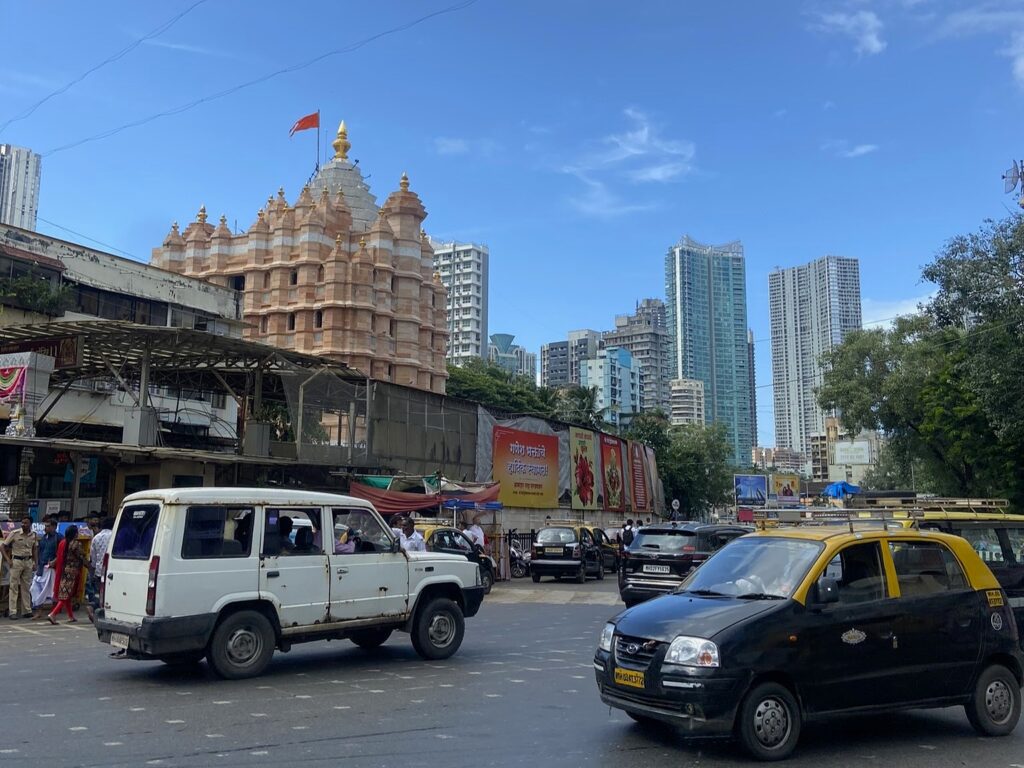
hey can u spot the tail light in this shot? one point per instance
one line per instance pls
(689, 548)
(534, 551)
(103, 580)
(154, 571)
(576, 551)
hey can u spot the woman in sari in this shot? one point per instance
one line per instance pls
(70, 561)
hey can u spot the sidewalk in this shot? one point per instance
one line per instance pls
(552, 594)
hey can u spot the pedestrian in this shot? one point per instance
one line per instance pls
(474, 532)
(97, 550)
(70, 562)
(627, 533)
(42, 584)
(21, 551)
(411, 539)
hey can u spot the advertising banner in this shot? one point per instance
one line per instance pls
(612, 470)
(638, 473)
(751, 490)
(785, 488)
(583, 471)
(526, 465)
(857, 452)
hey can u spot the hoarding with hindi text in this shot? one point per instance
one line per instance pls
(526, 465)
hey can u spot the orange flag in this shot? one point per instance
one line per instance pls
(305, 123)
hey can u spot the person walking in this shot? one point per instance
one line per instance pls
(70, 561)
(21, 551)
(42, 584)
(98, 548)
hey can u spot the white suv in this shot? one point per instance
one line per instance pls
(233, 573)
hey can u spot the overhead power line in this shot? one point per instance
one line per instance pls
(262, 79)
(109, 60)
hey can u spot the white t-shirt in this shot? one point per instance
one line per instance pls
(414, 543)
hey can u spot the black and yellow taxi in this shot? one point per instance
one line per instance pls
(569, 549)
(443, 538)
(789, 625)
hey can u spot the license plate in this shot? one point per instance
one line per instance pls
(657, 569)
(117, 640)
(629, 677)
(552, 550)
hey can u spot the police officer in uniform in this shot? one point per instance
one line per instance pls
(21, 551)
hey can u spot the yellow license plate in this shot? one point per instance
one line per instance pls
(553, 550)
(629, 677)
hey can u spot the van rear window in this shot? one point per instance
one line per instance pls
(136, 527)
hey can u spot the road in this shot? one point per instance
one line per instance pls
(520, 692)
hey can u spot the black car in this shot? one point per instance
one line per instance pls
(570, 550)
(661, 555)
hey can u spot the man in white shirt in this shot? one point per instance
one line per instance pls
(474, 532)
(410, 538)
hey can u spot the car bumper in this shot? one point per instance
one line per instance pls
(155, 637)
(636, 591)
(473, 597)
(701, 703)
(543, 567)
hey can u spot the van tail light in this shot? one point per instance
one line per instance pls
(154, 572)
(103, 580)
(689, 548)
(576, 551)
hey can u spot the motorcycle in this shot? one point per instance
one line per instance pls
(519, 561)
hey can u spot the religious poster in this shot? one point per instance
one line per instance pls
(583, 469)
(613, 478)
(526, 465)
(638, 474)
(785, 488)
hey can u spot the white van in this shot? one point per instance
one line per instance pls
(233, 573)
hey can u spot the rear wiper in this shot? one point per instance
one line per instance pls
(703, 592)
(759, 596)
(651, 546)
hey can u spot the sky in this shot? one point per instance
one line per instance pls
(577, 139)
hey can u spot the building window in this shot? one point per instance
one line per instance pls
(318, 319)
(320, 274)
(266, 279)
(291, 321)
(264, 324)
(237, 282)
(293, 277)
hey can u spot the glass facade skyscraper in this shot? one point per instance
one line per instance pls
(706, 302)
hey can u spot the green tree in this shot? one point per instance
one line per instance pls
(697, 469)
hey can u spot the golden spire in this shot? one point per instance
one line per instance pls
(337, 241)
(404, 183)
(201, 216)
(341, 144)
(362, 242)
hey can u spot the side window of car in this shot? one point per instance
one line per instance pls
(356, 530)
(1015, 537)
(585, 536)
(858, 571)
(985, 541)
(216, 532)
(292, 532)
(462, 542)
(926, 568)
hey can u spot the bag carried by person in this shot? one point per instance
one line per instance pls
(627, 537)
(42, 588)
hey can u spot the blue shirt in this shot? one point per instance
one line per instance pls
(47, 550)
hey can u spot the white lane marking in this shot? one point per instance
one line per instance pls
(258, 714)
(513, 680)
(414, 701)
(174, 722)
(215, 735)
(446, 685)
(375, 690)
(304, 696)
(136, 709)
(103, 698)
(78, 728)
(260, 752)
(227, 701)
(8, 751)
(184, 693)
(113, 743)
(493, 695)
(344, 707)
(300, 727)
(48, 715)
(926, 746)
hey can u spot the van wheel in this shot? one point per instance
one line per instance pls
(536, 578)
(241, 645)
(438, 630)
(486, 580)
(768, 722)
(581, 574)
(368, 639)
(995, 706)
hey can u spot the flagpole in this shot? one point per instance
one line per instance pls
(318, 139)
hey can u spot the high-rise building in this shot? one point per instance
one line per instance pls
(813, 307)
(554, 364)
(753, 386)
(463, 270)
(686, 402)
(20, 171)
(512, 357)
(612, 373)
(706, 292)
(645, 335)
(583, 345)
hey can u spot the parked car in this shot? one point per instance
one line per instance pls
(214, 572)
(441, 538)
(792, 625)
(569, 550)
(661, 555)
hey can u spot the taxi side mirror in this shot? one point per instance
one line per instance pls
(826, 591)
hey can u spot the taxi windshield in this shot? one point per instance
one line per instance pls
(754, 568)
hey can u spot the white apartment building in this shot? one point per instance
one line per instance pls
(686, 402)
(645, 334)
(813, 307)
(463, 270)
(20, 171)
(617, 381)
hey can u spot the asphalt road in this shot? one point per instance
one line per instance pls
(520, 692)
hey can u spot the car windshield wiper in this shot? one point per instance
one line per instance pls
(759, 596)
(703, 592)
(651, 546)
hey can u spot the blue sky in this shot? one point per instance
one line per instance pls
(578, 139)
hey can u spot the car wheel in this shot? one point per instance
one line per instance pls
(486, 580)
(768, 722)
(536, 578)
(995, 706)
(519, 569)
(581, 574)
(438, 630)
(241, 645)
(600, 570)
(368, 639)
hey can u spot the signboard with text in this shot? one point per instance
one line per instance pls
(857, 452)
(526, 465)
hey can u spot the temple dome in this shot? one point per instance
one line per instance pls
(341, 173)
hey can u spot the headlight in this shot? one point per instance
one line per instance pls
(692, 652)
(607, 634)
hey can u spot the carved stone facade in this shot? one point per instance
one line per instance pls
(332, 275)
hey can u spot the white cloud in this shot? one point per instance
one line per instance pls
(860, 150)
(880, 313)
(842, 148)
(638, 155)
(444, 145)
(863, 27)
(1016, 54)
(999, 18)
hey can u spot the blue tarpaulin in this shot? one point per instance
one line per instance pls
(840, 490)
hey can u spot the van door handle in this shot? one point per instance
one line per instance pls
(109, 577)
(342, 570)
(273, 574)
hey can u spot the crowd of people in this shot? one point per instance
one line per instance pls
(44, 573)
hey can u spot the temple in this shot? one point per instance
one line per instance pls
(332, 275)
